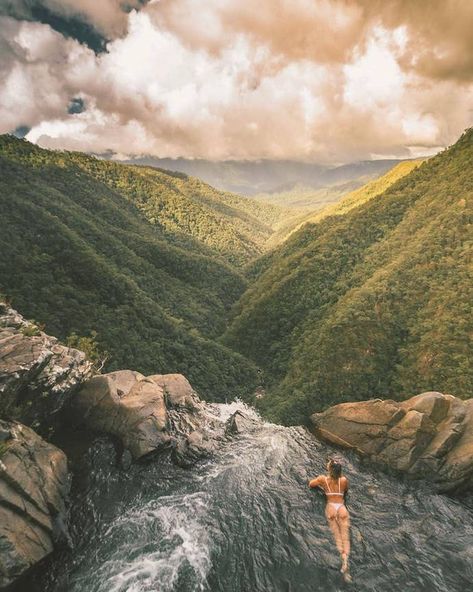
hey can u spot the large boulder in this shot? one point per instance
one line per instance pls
(37, 374)
(428, 436)
(147, 414)
(34, 484)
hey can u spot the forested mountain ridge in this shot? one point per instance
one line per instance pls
(373, 302)
(350, 200)
(80, 256)
(185, 208)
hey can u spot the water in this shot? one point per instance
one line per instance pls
(245, 521)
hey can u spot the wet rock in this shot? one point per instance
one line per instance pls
(428, 436)
(38, 375)
(194, 446)
(239, 422)
(34, 484)
(60, 533)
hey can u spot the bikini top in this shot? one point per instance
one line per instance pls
(328, 492)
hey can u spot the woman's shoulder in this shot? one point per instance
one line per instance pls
(317, 481)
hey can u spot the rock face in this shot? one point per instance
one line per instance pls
(33, 487)
(147, 414)
(37, 373)
(428, 436)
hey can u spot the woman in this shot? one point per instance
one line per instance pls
(335, 488)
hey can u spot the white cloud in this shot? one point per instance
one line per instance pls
(302, 80)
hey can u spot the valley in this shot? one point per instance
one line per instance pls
(169, 274)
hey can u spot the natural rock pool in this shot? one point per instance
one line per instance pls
(245, 521)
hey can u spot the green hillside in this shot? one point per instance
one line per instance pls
(336, 204)
(79, 254)
(369, 301)
(232, 227)
(328, 187)
(308, 199)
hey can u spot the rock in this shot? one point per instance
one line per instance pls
(34, 484)
(126, 405)
(428, 436)
(147, 414)
(193, 447)
(177, 390)
(37, 374)
(239, 422)
(60, 534)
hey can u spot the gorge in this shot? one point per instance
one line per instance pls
(188, 424)
(226, 507)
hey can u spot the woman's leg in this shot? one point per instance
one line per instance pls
(331, 515)
(343, 519)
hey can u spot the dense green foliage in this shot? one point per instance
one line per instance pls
(184, 208)
(80, 255)
(333, 205)
(371, 297)
(374, 300)
(309, 199)
(89, 345)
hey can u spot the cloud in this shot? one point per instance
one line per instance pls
(39, 71)
(439, 40)
(316, 80)
(107, 16)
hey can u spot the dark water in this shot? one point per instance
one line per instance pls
(245, 521)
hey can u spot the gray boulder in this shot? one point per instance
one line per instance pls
(37, 374)
(429, 436)
(240, 422)
(34, 483)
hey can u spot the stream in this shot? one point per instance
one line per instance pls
(244, 520)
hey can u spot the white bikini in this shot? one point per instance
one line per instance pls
(336, 505)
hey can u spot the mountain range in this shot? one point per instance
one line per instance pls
(145, 261)
(273, 180)
(373, 300)
(370, 296)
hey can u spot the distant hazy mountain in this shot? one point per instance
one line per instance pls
(270, 176)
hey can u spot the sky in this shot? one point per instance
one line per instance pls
(328, 81)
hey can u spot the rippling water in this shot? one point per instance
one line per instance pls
(245, 521)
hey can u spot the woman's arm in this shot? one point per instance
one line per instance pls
(315, 482)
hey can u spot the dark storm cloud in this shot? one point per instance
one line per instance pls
(92, 23)
(21, 131)
(69, 26)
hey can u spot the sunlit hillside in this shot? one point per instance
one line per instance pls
(373, 300)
